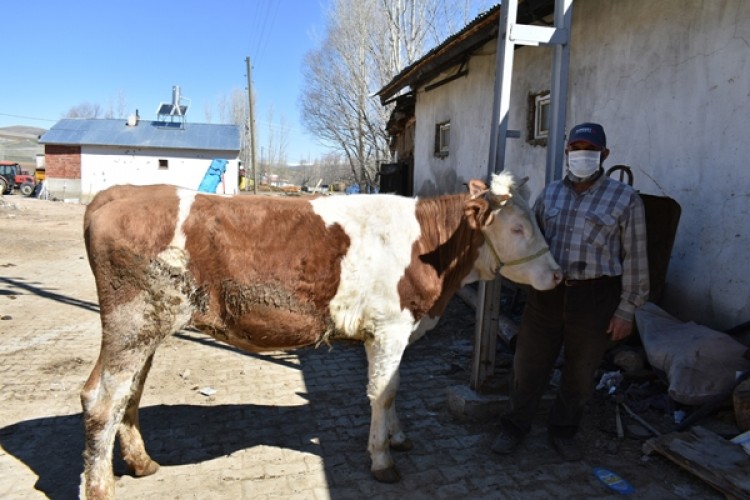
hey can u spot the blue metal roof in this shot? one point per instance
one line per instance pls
(146, 134)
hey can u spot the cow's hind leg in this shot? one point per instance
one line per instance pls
(384, 353)
(105, 399)
(131, 441)
(97, 455)
(112, 391)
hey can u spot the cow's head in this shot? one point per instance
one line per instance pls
(514, 246)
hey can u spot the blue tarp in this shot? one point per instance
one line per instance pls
(213, 176)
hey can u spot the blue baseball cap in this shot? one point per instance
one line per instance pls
(593, 133)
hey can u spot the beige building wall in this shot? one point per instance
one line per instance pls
(670, 81)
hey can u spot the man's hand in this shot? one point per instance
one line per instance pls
(619, 328)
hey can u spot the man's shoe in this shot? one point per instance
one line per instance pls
(506, 442)
(567, 448)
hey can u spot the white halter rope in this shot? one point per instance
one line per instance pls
(515, 262)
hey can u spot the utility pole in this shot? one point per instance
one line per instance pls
(251, 125)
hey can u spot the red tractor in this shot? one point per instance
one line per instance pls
(12, 177)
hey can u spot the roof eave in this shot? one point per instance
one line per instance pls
(454, 49)
(459, 47)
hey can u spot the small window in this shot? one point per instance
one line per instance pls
(163, 164)
(541, 116)
(539, 110)
(442, 139)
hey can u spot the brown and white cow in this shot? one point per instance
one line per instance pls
(265, 273)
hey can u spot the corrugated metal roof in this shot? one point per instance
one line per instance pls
(147, 134)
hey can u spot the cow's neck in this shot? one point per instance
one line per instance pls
(448, 245)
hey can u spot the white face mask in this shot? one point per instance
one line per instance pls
(583, 164)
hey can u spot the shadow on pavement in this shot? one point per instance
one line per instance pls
(175, 435)
(36, 288)
(333, 424)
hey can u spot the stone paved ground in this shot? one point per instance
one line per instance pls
(280, 425)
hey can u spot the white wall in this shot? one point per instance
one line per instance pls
(102, 167)
(466, 104)
(670, 81)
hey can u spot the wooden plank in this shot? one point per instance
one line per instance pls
(722, 464)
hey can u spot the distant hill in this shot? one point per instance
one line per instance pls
(22, 132)
(21, 143)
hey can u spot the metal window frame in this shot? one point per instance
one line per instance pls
(442, 146)
(541, 100)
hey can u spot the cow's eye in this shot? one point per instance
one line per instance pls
(517, 230)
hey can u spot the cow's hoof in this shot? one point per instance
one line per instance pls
(389, 475)
(147, 469)
(405, 445)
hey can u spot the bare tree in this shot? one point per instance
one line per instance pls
(365, 46)
(84, 110)
(336, 104)
(232, 108)
(117, 107)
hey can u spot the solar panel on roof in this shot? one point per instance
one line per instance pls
(171, 110)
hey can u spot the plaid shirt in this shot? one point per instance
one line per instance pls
(600, 232)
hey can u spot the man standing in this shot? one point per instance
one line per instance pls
(596, 230)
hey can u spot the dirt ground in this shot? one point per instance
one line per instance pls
(49, 342)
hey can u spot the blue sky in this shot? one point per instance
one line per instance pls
(56, 55)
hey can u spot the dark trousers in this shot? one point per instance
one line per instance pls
(573, 317)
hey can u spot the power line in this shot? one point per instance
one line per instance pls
(29, 117)
(270, 25)
(260, 28)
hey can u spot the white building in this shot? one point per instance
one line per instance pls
(670, 82)
(85, 156)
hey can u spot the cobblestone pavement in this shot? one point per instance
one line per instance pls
(279, 425)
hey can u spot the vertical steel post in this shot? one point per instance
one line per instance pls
(489, 293)
(559, 92)
(488, 296)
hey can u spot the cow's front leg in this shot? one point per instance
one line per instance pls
(384, 352)
(398, 440)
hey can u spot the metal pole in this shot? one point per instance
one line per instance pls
(488, 296)
(511, 34)
(559, 92)
(501, 97)
(251, 125)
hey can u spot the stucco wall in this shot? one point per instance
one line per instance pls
(467, 103)
(670, 81)
(102, 167)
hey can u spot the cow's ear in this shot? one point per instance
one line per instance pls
(477, 188)
(478, 213)
(522, 188)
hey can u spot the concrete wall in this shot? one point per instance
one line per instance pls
(467, 103)
(102, 167)
(670, 81)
